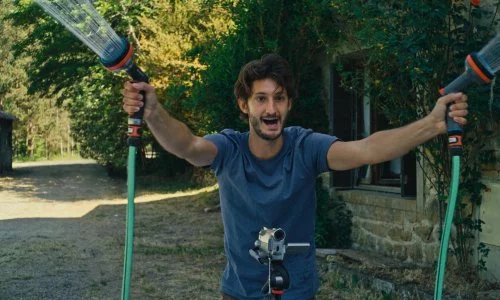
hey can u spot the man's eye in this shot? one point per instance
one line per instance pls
(261, 99)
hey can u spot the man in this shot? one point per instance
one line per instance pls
(266, 175)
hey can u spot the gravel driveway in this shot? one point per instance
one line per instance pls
(62, 228)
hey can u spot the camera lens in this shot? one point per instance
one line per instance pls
(279, 234)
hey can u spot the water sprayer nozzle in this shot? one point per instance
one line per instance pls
(119, 56)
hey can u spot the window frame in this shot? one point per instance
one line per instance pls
(344, 106)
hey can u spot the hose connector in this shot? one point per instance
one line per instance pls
(124, 60)
(476, 71)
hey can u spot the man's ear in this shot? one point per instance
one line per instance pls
(243, 104)
(290, 104)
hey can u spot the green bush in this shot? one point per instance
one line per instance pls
(333, 220)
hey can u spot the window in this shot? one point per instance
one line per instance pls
(353, 117)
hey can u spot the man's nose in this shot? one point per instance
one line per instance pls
(271, 106)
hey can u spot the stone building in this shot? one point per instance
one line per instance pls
(394, 210)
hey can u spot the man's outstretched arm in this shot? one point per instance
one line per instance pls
(387, 145)
(173, 135)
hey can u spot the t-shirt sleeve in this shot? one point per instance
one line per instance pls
(318, 144)
(225, 142)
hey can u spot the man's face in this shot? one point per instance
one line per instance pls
(267, 109)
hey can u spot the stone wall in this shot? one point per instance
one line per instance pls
(394, 226)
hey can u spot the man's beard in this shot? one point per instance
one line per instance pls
(255, 122)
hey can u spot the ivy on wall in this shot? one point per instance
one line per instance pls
(410, 49)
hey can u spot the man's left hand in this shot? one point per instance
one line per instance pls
(458, 110)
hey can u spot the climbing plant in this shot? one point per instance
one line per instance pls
(409, 50)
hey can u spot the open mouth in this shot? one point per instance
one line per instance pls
(270, 121)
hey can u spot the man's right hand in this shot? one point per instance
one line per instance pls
(133, 100)
(173, 135)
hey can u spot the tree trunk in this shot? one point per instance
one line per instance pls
(30, 139)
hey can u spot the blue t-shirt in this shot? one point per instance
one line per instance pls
(275, 193)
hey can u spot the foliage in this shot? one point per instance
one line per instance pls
(409, 50)
(42, 128)
(483, 251)
(298, 30)
(161, 32)
(191, 50)
(97, 118)
(333, 220)
(170, 34)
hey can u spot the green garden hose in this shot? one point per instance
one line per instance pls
(129, 236)
(445, 237)
(115, 53)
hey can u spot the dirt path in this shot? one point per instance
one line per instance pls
(62, 235)
(62, 229)
(60, 189)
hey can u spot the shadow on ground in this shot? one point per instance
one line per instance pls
(48, 253)
(54, 181)
(178, 253)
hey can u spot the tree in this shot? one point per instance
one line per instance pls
(60, 60)
(299, 30)
(38, 130)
